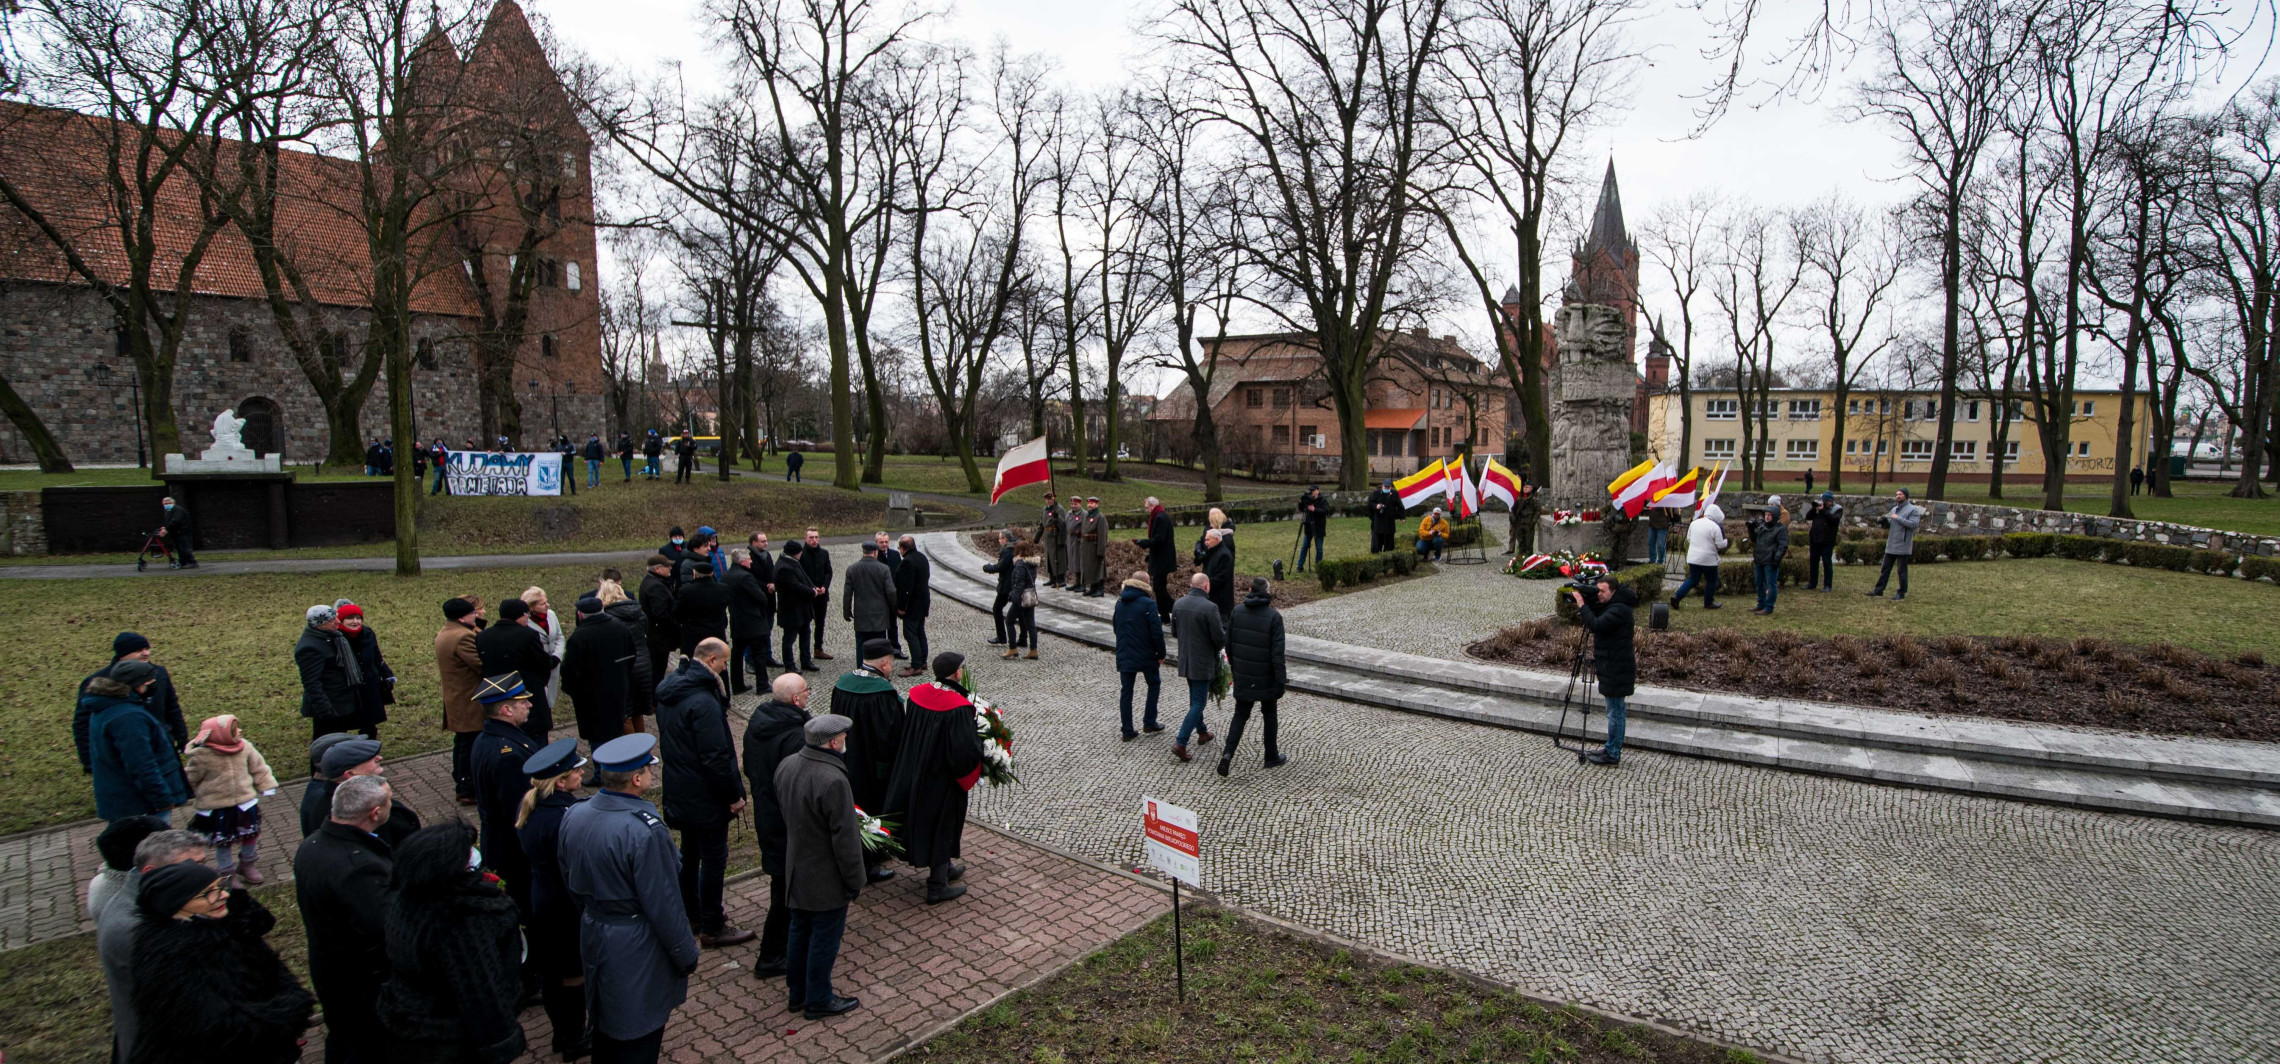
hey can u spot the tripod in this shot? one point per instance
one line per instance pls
(1580, 678)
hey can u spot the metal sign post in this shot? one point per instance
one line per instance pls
(1174, 848)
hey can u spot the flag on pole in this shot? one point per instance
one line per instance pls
(1497, 482)
(1634, 496)
(1615, 487)
(1679, 493)
(1424, 484)
(1023, 465)
(1464, 495)
(1716, 486)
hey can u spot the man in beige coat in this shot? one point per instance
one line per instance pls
(460, 669)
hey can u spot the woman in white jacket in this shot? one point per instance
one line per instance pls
(1704, 539)
(549, 626)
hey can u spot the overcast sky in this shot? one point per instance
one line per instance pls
(1782, 151)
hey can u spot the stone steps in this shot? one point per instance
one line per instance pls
(2191, 779)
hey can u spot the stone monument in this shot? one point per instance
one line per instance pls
(1592, 389)
(228, 454)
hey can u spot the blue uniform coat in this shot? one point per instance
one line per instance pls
(633, 933)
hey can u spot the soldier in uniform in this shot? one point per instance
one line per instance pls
(496, 765)
(1524, 517)
(556, 773)
(1073, 544)
(1093, 549)
(1052, 535)
(619, 861)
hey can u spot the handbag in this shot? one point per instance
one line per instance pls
(1029, 599)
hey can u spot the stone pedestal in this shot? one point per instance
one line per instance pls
(216, 460)
(900, 514)
(1591, 391)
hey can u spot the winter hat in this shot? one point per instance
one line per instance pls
(1828, 496)
(126, 643)
(820, 730)
(350, 610)
(117, 843)
(456, 608)
(321, 614)
(166, 889)
(589, 605)
(512, 609)
(321, 745)
(1773, 501)
(349, 754)
(947, 664)
(219, 734)
(134, 673)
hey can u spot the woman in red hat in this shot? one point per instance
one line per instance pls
(378, 691)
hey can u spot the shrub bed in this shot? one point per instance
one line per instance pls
(1737, 575)
(2162, 688)
(1362, 569)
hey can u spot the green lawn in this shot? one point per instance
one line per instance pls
(228, 640)
(614, 516)
(2024, 596)
(2204, 503)
(1256, 993)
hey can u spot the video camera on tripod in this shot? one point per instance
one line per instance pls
(1581, 676)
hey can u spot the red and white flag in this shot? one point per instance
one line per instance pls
(1464, 497)
(1497, 482)
(1022, 466)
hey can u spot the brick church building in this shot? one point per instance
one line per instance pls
(1604, 269)
(60, 347)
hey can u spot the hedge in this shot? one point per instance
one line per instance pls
(2181, 559)
(1644, 580)
(1361, 569)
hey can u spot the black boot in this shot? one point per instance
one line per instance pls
(566, 1010)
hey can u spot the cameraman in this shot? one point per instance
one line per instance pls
(1609, 620)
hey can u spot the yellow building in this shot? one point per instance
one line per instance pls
(1896, 430)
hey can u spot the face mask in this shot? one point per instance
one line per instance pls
(474, 858)
(676, 541)
(170, 506)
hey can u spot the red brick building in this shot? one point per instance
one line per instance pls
(1604, 269)
(536, 192)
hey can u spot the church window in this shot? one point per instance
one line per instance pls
(426, 353)
(570, 276)
(241, 348)
(546, 346)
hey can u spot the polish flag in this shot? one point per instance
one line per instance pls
(1464, 498)
(1424, 484)
(1679, 493)
(1497, 482)
(1022, 466)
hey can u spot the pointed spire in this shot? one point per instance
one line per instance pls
(1607, 229)
(1511, 295)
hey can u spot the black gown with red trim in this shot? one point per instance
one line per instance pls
(937, 762)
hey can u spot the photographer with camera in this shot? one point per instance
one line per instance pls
(1606, 614)
(1899, 542)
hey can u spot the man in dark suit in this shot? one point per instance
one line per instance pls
(764, 570)
(817, 562)
(892, 559)
(664, 634)
(914, 597)
(751, 620)
(1163, 556)
(796, 599)
(1003, 567)
(340, 879)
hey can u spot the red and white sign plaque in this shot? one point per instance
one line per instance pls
(1174, 846)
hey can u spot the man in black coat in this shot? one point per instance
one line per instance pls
(1003, 567)
(792, 464)
(1824, 518)
(664, 634)
(340, 879)
(684, 458)
(1163, 557)
(939, 759)
(1219, 565)
(597, 672)
(1610, 622)
(1385, 509)
(764, 570)
(176, 528)
(703, 792)
(1258, 671)
(914, 599)
(866, 696)
(701, 608)
(703, 550)
(796, 600)
(751, 621)
(496, 764)
(1313, 525)
(341, 757)
(771, 735)
(651, 449)
(162, 701)
(817, 562)
(892, 559)
(512, 646)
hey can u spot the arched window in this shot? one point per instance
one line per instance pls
(426, 352)
(241, 346)
(546, 346)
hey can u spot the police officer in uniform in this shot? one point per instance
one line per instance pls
(496, 766)
(555, 775)
(618, 859)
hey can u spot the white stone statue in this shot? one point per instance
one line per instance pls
(229, 432)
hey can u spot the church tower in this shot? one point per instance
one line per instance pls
(1605, 269)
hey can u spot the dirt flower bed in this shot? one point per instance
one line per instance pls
(2163, 688)
(1124, 559)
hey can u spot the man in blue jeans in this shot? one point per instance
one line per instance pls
(1609, 621)
(593, 455)
(1202, 636)
(440, 458)
(1139, 648)
(1769, 543)
(1313, 525)
(823, 863)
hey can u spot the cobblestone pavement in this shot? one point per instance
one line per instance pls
(1818, 917)
(1434, 616)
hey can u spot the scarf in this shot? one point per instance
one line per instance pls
(347, 656)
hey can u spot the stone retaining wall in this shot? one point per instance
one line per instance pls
(1977, 519)
(23, 527)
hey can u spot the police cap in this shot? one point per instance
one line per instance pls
(500, 688)
(626, 753)
(558, 757)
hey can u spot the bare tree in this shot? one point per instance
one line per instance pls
(2237, 203)
(1195, 243)
(1679, 240)
(1757, 272)
(1326, 98)
(1119, 193)
(2136, 269)
(1520, 81)
(1074, 316)
(1852, 265)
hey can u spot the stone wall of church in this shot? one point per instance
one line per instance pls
(52, 337)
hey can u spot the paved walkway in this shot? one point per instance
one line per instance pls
(1433, 615)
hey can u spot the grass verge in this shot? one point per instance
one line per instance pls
(1257, 993)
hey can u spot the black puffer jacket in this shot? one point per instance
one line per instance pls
(1255, 649)
(1611, 657)
(644, 685)
(208, 990)
(454, 954)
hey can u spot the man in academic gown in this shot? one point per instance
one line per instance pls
(866, 696)
(939, 761)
